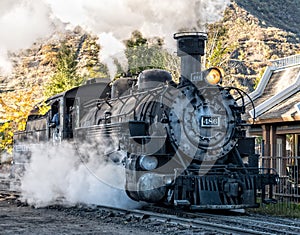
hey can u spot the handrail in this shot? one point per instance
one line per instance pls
(287, 61)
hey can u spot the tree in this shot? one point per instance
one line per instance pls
(15, 108)
(145, 53)
(93, 67)
(66, 76)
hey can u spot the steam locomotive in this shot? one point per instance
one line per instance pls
(182, 144)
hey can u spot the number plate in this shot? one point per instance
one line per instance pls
(210, 121)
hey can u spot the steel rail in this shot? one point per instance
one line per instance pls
(188, 222)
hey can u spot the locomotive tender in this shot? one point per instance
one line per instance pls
(182, 144)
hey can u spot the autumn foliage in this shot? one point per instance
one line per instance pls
(14, 110)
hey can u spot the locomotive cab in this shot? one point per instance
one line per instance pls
(60, 115)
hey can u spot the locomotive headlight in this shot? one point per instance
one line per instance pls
(213, 75)
(148, 163)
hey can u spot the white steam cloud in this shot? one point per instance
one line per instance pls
(112, 49)
(58, 174)
(21, 23)
(24, 21)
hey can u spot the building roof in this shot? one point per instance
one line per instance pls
(278, 92)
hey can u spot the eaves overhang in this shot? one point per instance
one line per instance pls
(276, 99)
(277, 65)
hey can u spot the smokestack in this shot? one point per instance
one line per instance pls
(190, 48)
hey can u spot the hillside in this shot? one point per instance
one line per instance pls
(281, 14)
(250, 34)
(35, 65)
(247, 42)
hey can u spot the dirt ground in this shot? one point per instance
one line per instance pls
(18, 218)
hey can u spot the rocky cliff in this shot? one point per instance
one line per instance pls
(248, 40)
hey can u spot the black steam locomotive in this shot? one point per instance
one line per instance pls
(182, 144)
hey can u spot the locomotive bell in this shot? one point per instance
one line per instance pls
(190, 48)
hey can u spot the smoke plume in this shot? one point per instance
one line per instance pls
(22, 22)
(60, 174)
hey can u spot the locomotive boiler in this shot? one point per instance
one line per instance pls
(182, 144)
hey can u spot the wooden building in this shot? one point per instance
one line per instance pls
(277, 112)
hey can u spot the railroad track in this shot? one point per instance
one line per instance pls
(210, 222)
(196, 222)
(4, 195)
(273, 225)
(213, 223)
(239, 223)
